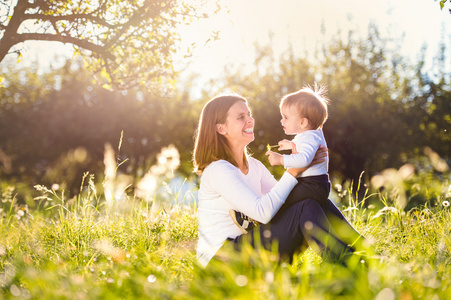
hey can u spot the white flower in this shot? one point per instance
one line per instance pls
(445, 203)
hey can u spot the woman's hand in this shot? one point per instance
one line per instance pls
(296, 171)
(320, 156)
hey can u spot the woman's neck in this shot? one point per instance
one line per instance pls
(238, 156)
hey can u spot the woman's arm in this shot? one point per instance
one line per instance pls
(226, 180)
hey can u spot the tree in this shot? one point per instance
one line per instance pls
(432, 108)
(368, 128)
(125, 43)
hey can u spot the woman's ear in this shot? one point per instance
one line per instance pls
(220, 129)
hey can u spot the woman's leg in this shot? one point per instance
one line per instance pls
(343, 228)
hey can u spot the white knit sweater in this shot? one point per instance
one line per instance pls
(307, 143)
(223, 187)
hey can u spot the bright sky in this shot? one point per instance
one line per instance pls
(415, 22)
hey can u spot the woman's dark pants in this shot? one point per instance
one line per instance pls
(306, 223)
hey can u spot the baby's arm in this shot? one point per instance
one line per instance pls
(305, 153)
(275, 159)
(285, 145)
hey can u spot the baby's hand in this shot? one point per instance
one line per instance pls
(275, 159)
(285, 145)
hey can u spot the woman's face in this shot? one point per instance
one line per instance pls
(239, 126)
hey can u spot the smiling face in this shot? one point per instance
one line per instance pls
(238, 128)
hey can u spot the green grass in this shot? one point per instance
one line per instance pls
(81, 249)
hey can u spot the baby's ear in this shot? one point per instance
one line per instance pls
(305, 123)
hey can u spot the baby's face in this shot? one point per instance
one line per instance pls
(291, 121)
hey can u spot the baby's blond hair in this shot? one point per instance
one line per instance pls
(311, 103)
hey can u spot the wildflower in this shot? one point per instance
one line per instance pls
(151, 278)
(268, 146)
(41, 188)
(445, 203)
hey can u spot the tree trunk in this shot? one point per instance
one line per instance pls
(9, 38)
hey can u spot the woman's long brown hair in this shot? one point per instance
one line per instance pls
(209, 145)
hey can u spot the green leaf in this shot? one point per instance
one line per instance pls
(442, 4)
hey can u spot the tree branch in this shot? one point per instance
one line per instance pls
(140, 14)
(65, 39)
(73, 17)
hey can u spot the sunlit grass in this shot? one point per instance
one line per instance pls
(84, 252)
(80, 251)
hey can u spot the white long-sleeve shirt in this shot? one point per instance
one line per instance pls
(223, 187)
(307, 143)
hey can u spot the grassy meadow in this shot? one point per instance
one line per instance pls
(98, 245)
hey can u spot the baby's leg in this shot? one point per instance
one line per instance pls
(314, 187)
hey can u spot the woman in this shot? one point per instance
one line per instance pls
(233, 180)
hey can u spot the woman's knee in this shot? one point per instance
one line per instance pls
(310, 204)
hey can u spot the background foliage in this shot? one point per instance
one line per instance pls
(384, 111)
